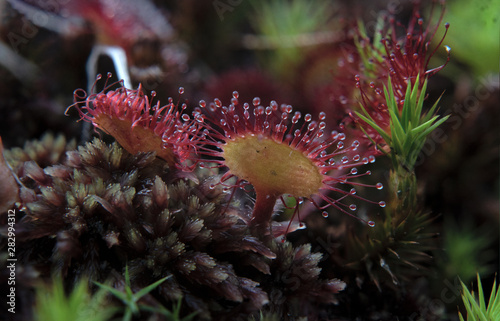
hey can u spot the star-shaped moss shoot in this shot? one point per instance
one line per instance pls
(280, 153)
(401, 53)
(138, 126)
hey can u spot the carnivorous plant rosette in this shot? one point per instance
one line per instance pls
(280, 153)
(137, 125)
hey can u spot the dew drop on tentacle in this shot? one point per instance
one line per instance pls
(381, 204)
(288, 109)
(379, 186)
(312, 126)
(325, 214)
(258, 111)
(181, 90)
(256, 101)
(353, 207)
(274, 105)
(236, 94)
(371, 223)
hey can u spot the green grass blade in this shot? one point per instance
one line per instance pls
(396, 143)
(372, 124)
(432, 110)
(417, 131)
(120, 295)
(494, 303)
(491, 304)
(128, 315)
(434, 126)
(406, 115)
(173, 315)
(408, 143)
(127, 276)
(396, 124)
(372, 141)
(475, 310)
(390, 99)
(420, 102)
(142, 292)
(482, 304)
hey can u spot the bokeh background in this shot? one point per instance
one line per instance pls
(289, 51)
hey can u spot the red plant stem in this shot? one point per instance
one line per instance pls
(262, 212)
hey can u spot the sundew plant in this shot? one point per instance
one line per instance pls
(281, 160)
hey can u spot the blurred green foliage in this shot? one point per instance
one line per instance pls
(474, 34)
